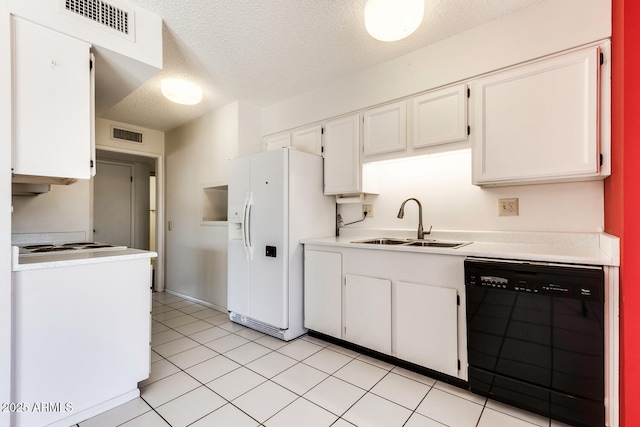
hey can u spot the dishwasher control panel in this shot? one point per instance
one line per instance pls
(534, 278)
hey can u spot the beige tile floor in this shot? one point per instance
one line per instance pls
(207, 371)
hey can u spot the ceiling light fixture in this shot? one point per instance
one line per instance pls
(391, 20)
(181, 91)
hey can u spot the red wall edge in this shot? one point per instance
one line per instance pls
(622, 196)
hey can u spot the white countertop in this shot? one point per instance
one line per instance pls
(595, 249)
(52, 260)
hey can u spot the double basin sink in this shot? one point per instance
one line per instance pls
(427, 243)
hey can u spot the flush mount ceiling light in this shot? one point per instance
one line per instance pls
(391, 20)
(181, 91)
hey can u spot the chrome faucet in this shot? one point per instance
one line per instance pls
(421, 232)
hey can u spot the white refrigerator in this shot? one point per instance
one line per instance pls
(275, 200)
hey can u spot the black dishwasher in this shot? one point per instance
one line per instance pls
(535, 337)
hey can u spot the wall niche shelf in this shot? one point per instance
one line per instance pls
(214, 204)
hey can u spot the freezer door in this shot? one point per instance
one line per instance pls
(268, 234)
(237, 260)
(237, 278)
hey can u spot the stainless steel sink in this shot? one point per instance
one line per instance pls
(437, 244)
(383, 241)
(413, 242)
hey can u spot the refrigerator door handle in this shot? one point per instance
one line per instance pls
(244, 225)
(246, 232)
(249, 245)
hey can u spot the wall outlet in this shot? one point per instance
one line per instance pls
(367, 210)
(508, 207)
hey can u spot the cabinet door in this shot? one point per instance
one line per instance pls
(539, 122)
(323, 292)
(426, 327)
(278, 140)
(308, 139)
(385, 129)
(440, 116)
(368, 312)
(342, 155)
(52, 103)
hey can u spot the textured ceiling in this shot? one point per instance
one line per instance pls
(265, 51)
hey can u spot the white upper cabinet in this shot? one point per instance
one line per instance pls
(278, 140)
(539, 122)
(308, 139)
(52, 103)
(342, 170)
(440, 117)
(385, 129)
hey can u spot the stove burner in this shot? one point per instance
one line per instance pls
(38, 246)
(74, 247)
(52, 249)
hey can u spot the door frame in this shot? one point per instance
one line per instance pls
(132, 197)
(159, 282)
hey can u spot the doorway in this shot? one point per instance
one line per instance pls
(147, 202)
(113, 214)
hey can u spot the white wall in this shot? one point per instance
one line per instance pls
(152, 140)
(442, 183)
(5, 210)
(64, 208)
(197, 157)
(249, 129)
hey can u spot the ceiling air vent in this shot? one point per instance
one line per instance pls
(106, 14)
(126, 135)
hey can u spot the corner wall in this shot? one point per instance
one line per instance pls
(197, 154)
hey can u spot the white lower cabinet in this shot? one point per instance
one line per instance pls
(70, 348)
(426, 326)
(367, 302)
(387, 301)
(323, 292)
